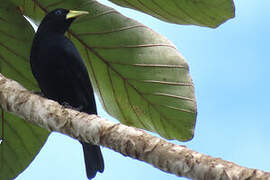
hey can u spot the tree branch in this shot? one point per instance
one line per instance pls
(129, 141)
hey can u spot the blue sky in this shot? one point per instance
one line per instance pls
(230, 68)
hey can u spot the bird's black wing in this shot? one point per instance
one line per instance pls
(81, 84)
(77, 74)
(63, 77)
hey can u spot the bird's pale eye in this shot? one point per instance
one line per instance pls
(58, 12)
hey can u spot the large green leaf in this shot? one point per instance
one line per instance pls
(210, 13)
(139, 75)
(20, 141)
(15, 42)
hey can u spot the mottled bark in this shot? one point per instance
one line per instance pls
(129, 141)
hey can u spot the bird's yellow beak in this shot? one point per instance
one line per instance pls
(73, 14)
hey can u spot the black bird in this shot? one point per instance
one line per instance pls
(62, 76)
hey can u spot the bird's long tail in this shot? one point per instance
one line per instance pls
(93, 159)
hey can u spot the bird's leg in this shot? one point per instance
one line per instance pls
(67, 105)
(79, 108)
(39, 93)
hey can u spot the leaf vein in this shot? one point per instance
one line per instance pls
(13, 152)
(194, 19)
(13, 52)
(17, 71)
(114, 94)
(8, 166)
(169, 13)
(93, 17)
(95, 78)
(18, 137)
(54, 4)
(149, 9)
(132, 107)
(168, 83)
(177, 109)
(11, 36)
(111, 31)
(133, 46)
(152, 65)
(169, 95)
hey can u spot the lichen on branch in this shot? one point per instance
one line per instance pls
(129, 141)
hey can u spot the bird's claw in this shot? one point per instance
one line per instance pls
(39, 93)
(66, 105)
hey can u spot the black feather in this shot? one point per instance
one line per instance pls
(62, 76)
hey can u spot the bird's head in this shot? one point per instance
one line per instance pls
(59, 20)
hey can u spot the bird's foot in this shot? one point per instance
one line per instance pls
(66, 105)
(39, 93)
